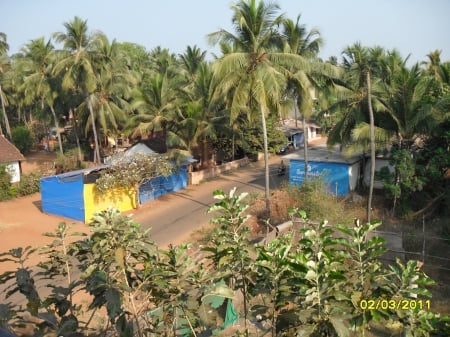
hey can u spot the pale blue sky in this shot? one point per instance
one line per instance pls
(414, 27)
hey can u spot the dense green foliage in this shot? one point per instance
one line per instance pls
(131, 172)
(22, 138)
(5, 184)
(315, 282)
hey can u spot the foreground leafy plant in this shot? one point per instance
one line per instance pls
(406, 284)
(324, 307)
(364, 269)
(311, 286)
(230, 248)
(115, 263)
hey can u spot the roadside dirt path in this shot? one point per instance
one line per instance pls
(22, 222)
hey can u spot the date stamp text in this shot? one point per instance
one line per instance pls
(395, 304)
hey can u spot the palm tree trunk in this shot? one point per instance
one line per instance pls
(77, 138)
(305, 146)
(204, 161)
(94, 130)
(372, 147)
(5, 116)
(266, 161)
(232, 148)
(57, 129)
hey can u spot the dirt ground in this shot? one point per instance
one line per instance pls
(22, 225)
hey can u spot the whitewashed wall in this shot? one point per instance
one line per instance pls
(14, 170)
(353, 176)
(379, 163)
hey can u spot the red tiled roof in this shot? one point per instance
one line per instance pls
(8, 152)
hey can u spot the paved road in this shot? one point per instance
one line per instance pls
(174, 217)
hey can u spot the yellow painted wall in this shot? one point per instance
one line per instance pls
(118, 198)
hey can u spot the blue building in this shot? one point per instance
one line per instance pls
(340, 173)
(73, 194)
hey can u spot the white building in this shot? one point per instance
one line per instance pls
(11, 157)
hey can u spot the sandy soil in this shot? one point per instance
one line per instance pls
(22, 222)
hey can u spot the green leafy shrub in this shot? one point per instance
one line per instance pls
(29, 184)
(68, 162)
(312, 197)
(5, 185)
(22, 138)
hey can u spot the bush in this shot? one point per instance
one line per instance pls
(68, 162)
(313, 197)
(22, 138)
(29, 184)
(5, 183)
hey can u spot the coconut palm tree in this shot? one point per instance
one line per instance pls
(255, 71)
(413, 109)
(304, 82)
(200, 121)
(4, 66)
(114, 82)
(360, 63)
(39, 82)
(156, 105)
(77, 66)
(192, 59)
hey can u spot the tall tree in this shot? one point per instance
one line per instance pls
(156, 105)
(113, 91)
(4, 65)
(304, 82)
(192, 59)
(77, 66)
(411, 111)
(360, 63)
(255, 71)
(39, 82)
(200, 121)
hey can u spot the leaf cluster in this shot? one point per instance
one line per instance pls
(130, 172)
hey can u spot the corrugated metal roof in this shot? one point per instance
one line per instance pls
(139, 148)
(323, 154)
(84, 172)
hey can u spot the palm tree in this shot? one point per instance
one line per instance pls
(4, 66)
(114, 81)
(192, 59)
(156, 105)
(299, 40)
(39, 83)
(439, 70)
(200, 120)
(359, 64)
(77, 65)
(409, 113)
(255, 71)
(304, 82)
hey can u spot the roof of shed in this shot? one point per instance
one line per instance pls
(8, 152)
(84, 172)
(323, 154)
(290, 127)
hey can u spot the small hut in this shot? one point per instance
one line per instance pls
(11, 157)
(340, 173)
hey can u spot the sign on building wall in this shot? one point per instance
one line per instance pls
(335, 175)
